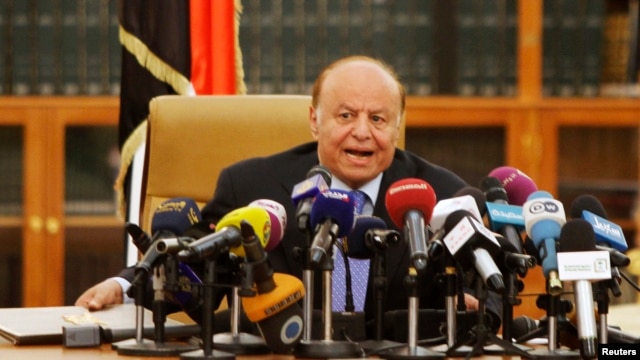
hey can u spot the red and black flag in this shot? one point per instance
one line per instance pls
(173, 47)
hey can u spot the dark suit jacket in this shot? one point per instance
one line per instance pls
(274, 177)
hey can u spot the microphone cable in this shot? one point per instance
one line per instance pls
(630, 281)
(348, 293)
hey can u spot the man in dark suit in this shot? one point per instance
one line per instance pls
(355, 118)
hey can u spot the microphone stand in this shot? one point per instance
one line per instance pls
(481, 334)
(159, 346)
(139, 340)
(554, 322)
(512, 265)
(411, 350)
(612, 334)
(450, 294)
(236, 342)
(302, 255)
(602, 300)
(207, 351)
(379, 285)
(327, 347)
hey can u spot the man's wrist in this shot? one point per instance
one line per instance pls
(124, 286)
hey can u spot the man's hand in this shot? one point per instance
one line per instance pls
(98, 296)
(470, 302)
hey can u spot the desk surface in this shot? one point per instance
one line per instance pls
(55, 352)
(618, 315)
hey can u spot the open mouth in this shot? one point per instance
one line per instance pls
(359, 154)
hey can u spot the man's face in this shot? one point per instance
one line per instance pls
(356, 122)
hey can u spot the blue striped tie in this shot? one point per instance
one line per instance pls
(359, 269)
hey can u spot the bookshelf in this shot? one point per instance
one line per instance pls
(56, 249)
(539, 134)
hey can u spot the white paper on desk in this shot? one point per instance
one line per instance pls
(43, 325)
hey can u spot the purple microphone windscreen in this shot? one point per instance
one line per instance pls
(576, 235)
(516, 183)
(277, 219)
(478, 196)
(175, 215)
(589, 203)
(356, 246)
(336, 205)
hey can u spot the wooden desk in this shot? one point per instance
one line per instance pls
(56, 352)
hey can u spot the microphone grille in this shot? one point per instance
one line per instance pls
(576, 235)
(175, 215)
(517, 184)
(322, 171)
(409, 194)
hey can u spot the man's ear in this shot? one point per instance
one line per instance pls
(313, 122)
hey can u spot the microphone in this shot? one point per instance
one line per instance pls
(609, 237)
(523, 325)
(516, 183)
(576, 238)
(228, 236)
(503, 218)
(469, 242)
(410, 203)
(332, 216)
(174, 216)
(318, 179)
(608, 234)
(368, 237)
(139, 237)
(275, 308)
(277, 219)
(171, 217)
(543, 217)
(461, 201)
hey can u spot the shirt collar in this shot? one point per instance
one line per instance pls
(371, 188)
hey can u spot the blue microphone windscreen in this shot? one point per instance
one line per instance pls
(175, 215)
(337, 205)
(308, 188)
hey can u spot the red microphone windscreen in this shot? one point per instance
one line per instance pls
(409, 194)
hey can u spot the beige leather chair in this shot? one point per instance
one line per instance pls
(191, 138)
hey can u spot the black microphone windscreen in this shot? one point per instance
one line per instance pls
(356, 246)
(589, 203)
(478, 196)
(454, 218)
(523, 325)
(576, 235)
(493, 189)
